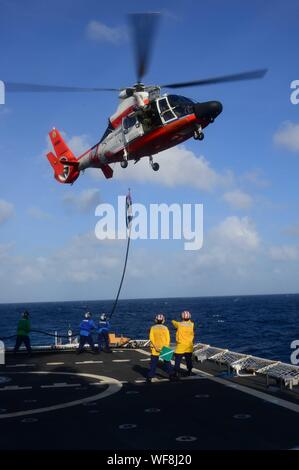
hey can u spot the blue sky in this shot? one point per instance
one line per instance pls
(245, 172)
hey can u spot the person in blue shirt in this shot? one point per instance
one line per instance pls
(86, 327)
(103, 333)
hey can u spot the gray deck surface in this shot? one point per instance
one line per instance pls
(196, 413)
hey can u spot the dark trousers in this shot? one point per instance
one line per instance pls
(178, 359)
(23, 339)
(153, 366)
(103, 339)
(83, 341)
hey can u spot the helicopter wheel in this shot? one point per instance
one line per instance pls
(212, 120)
(155, 166)
(124, 164)
(201, 136)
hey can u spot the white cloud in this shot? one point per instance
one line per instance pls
(238, 232)
(37, 213)
(84, 201)
(256, 178)
(78, 144)
(178, 167)
(98, 31)
(6, 211)
(238, 199)
(292, 230)
(284, 253)
(288, 136)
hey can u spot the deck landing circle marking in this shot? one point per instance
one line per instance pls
(114, 386)
(186, 438)
(29, 420)
(242, 416)
(127, 426)
(4, 380)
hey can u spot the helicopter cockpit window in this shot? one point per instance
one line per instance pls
(129, 122)
(166, 112)
(181, 105)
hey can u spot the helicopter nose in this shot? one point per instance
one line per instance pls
(209, 109)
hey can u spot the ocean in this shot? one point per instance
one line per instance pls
(263, 325)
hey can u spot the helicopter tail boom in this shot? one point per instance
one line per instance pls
(64, 163)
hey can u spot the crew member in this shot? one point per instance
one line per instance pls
(159, 337)
(103, 334)
(23, 333)
(184, 341)
(86, 327)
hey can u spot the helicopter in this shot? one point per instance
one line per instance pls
(145, 123)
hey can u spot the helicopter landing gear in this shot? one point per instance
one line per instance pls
(155, 166)
(198, 134)
(124, 163)
(212, 120)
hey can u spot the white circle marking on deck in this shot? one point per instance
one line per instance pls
(114, 386)
(242, 416)
(152, 410)
(127, 426)
(186, 438)
(4, 380)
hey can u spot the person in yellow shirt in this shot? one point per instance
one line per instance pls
(184, 342)
(159, 337)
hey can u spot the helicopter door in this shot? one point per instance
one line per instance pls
(131, 128)
(165, 110)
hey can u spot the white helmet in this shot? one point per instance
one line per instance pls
(103, 317)
(186, 315)
(160, 318)
(87, 315)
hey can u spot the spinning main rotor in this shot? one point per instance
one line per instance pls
(143, 28)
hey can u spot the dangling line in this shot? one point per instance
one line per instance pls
(129, 225)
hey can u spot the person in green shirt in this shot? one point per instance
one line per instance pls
(23, 333)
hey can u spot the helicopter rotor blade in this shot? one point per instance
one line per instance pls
(143, 30)
(15, 87)
(254, 74)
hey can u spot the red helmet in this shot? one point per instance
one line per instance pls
(186, 315)
(160, 318)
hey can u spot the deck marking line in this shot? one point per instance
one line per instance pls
(62, 385)
(114, 386)
(11, 388)
(21, 365)
(242, 388)
(89, 362)
(54, 363)
(121, 360)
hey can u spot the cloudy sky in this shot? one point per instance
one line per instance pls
(245, 172)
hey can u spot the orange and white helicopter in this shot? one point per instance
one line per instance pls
(145, 122)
